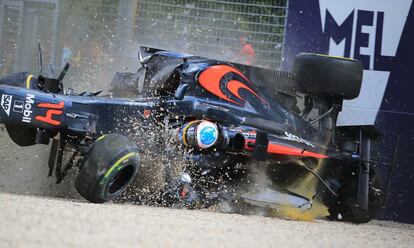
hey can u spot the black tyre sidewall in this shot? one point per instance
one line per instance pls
(110, 151)
(326, 76)
(102, 188)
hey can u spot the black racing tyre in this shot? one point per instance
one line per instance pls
(328, 76)
(347, 206)
(109, 167)
(22, 136)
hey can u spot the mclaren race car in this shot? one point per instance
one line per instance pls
(242, 134)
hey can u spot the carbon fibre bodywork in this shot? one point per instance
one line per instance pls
(256, 120)
(204, 95)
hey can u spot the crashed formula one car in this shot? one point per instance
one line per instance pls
(220, 118)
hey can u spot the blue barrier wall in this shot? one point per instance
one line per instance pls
(379, 33)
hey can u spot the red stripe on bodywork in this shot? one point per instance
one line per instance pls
(59, 105)
(279, 149)
(233, 86)
(48, 118)
(53, 109)
(210, 79)
(285, 150)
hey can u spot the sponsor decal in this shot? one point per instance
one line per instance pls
(226, 82)
(293, 137)
(288, 136)
(368, 31)
(28, 104)
(18, 106)
(53, 109)
(6, 101)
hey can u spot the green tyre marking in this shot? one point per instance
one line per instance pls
(117, 163)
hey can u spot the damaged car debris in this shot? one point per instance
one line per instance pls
(224, 116)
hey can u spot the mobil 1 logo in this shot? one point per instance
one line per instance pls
(28, 104)
(6, 101)
(18, 106)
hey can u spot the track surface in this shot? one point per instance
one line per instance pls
(28, 221)
(29, 217)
